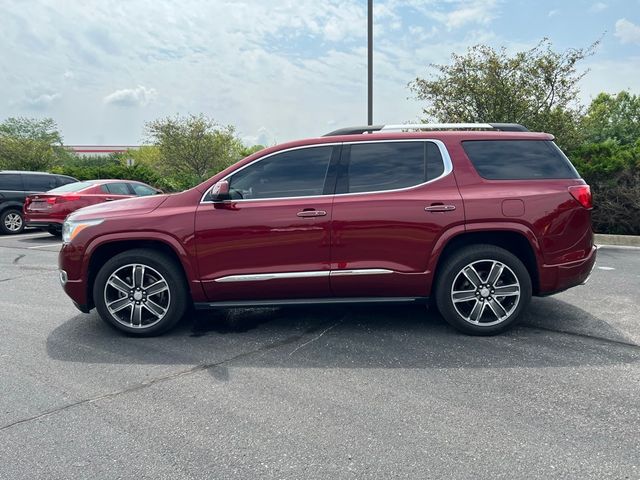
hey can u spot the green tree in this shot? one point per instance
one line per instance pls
(30, 144)
(613, 117)
(537, 88)
(194, 146)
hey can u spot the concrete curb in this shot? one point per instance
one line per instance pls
(621, 240)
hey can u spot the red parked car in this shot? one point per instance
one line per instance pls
(477, 219)
(48, 210)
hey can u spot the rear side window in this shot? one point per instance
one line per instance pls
(380, 166)
(142, 190)
(39, 183)
(11, 182)
(117, 188)
(518, 159)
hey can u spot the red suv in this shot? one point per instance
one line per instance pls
(476, 217)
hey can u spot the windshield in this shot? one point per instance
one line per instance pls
(72, 187)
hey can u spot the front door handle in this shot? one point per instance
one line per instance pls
(439, 207)
(109, 199)
(312, 213)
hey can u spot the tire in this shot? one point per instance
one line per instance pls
(56, 232)
(11, 221)
(158, 312)
(490, 300)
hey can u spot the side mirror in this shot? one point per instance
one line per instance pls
(220, 191)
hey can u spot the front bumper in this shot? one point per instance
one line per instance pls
(557, 278)
(72, 280)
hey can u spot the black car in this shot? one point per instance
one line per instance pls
(14, 188)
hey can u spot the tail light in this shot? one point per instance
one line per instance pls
(62, 199)
(582, 193)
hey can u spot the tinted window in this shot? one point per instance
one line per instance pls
(297, 173)
(72, 187)
(39, 183)
(142, 190)
(11, 182)
(518, 159)
(65, 180)
(383, 166)
(118, 188)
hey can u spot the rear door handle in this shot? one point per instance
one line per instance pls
(312, 213)
(440, 208)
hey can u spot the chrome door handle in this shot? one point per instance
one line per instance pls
(440, 208)
(312, 213)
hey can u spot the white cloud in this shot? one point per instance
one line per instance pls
(482, 12)
(68, 75)
(131, 97)
(598, 7)
(41, 101)
(553, 13)
(627, 32)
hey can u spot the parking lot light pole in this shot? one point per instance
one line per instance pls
(370, 61)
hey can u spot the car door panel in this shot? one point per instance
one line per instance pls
(267, 248)
(393, 231)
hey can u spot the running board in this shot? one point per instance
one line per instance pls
(306, 301)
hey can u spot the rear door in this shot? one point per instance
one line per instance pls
(116, 191)
(393, 200)
(272, 240)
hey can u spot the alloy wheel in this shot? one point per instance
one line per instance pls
(13, 222)
(485, 292)
(137, 296)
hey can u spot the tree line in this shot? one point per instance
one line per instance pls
(538, 88)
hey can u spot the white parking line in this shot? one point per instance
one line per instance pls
(27, 235)
(47, 245)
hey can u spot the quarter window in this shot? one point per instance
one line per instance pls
(518, 159)
(39, 183)
(380, 166)
(296, 173)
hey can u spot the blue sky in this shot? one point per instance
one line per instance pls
(277, 70)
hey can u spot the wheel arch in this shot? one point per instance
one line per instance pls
(519, 241)
(97, 254)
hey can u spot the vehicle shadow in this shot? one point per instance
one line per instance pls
(347, 337)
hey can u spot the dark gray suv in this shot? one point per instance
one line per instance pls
(14, 188)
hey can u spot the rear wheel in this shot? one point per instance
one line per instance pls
(11, 221)
(140, 292)
(55, 231)
(482, 289)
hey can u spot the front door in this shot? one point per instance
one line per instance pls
(393, 200)
(272, 240)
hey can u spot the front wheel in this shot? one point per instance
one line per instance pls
(141, 292)
(482, 289)
(11, 221)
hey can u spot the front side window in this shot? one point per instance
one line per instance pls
(381, 166)
(296, 173)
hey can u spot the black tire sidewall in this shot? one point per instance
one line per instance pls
(460, 259)
(166, 267)
(4, 214)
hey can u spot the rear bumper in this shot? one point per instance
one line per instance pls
(557, 278)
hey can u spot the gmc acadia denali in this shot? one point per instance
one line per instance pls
(476, 218)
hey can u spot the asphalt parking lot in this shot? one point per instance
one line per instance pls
(349, 392)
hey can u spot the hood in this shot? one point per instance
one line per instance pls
(117, 208)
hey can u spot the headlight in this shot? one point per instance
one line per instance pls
(71, 228)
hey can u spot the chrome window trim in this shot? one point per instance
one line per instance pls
(446, 160)
(260, 277)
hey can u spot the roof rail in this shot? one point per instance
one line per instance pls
(504, 127)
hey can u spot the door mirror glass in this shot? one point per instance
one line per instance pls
(220, 191)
